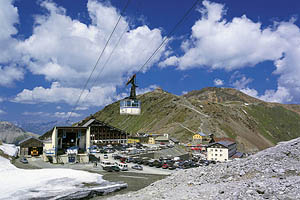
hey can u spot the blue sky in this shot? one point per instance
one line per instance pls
(49, 49)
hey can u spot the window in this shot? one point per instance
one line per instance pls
(221, 150)
(211, 150)
(216, 154)
(216, 149)
(221, 154)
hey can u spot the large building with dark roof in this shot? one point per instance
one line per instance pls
(221, 150)
(73, 143)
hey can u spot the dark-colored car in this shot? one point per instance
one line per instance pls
(203, 162)
(24, 160)
(136, 160)
(213, 162)
(108, 169)
(151, 163)
(116, 157)
(158, 164)
(137, 167)
(171, 167)
(129, 159)
(115, 168)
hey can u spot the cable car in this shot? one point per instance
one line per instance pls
(130, 105)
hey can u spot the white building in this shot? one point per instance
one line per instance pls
(221, 151)
(73, 143)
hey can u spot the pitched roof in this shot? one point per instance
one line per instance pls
(202, 134)
(31, 137)
(224, 143)
(88, 123)
(174, 139)
(162, 138)
(238, 155)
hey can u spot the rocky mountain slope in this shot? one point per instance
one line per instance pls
(9, 133)
(224, 112)
(273, 173)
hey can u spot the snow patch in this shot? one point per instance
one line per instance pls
(49, 183)
(9, 149)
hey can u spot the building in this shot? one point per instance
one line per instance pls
(162, 140)
(199, 137)
(73, 143)
(221, 151)
(31, 146)
(102, 133)
(173, 141)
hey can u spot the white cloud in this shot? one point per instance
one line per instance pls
(9, 74)
(281, 95)
(242, 83)
(65, 115)
(58, 107)
(35, 113)
(184, 92)
(61, 115)
(81, 108)
(218, 43)
(65, 50)
(2, 112)
(145, 90)
(8, 19)
(173, 60)
(1, 99)
(218, 82)
(97, 96)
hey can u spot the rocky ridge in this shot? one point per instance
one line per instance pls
(9, 133)
(273, 173)
(225, 112)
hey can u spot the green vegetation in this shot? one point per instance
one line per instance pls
(163, 112)
(275, 122)
(228, 130)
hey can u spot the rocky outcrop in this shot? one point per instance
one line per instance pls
(9, 133)
(270, 174)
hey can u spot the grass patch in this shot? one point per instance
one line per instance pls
(275, 123)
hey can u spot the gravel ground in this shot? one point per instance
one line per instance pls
(270, 174)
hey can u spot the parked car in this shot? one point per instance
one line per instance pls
(203, 162)
(158, 164)
(116, 156)
(129, 159)
(137, 167)
(213, 162)
(165, 166)
(171, 167)
(105, 156)
(115, 168)
(24, 160)
(109, 169)
(122, 166)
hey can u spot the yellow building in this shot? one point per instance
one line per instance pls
(151, 140)
(133, 140)
(199, 137)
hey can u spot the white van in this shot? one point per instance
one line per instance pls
(122, 166)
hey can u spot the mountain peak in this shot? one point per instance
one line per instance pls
(10, 133)
(220, 95)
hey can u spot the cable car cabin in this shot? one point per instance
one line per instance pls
(130, 107)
